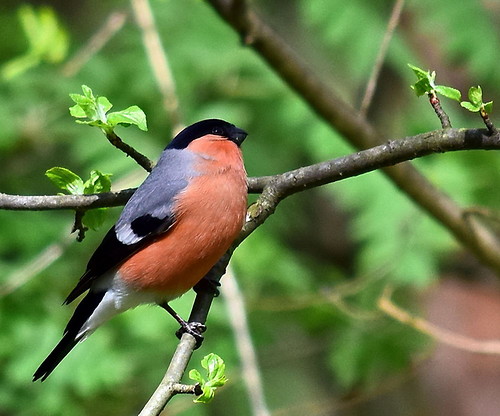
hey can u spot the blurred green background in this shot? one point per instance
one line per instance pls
(319, 354)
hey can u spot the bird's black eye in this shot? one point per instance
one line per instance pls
(218, 131)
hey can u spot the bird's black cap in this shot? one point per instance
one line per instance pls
(204, 127)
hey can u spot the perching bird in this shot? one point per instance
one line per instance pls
(171, 232)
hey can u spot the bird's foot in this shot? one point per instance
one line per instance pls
(195, 329)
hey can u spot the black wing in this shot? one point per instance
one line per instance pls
(111, 252)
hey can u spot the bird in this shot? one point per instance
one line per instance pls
(176, 226)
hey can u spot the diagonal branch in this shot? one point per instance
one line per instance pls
(445, 336)
(158, 61)
(343, 118)
(397, 10)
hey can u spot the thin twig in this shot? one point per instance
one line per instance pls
(36, 265)
(384, 46)
(487, 121)
(141, 159)
(111, 27)
(438, 109)
(441, 335)
(158, 61)
(248, 358)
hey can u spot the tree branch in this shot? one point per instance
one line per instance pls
(60, 202)
(343, 118)
(450, 338)
(168, 386)
(143, 161)
(397, 10)
(158, 61)
(388, 154)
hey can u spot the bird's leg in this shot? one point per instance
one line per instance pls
(195, 329)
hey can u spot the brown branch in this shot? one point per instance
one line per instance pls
(438, 109)
(61, 202)
(142, 160)
(397, 9)
(442, 335)
(158, 61)
(275, 188)
(250, 371)
(487, 121)
(388, 154)
(168, 386)
(113, 25)
(335, 111)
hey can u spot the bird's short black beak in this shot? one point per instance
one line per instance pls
(238, 135)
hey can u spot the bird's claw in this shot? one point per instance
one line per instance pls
(194, 329)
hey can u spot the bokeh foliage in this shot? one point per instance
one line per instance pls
(351, 238)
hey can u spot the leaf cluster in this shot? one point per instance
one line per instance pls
(215, 377)
(70, 182)
(96, 109)
(426, 85)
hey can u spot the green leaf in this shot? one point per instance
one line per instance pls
(476, 104)
(476, 95)
(87, 91)
(425, 83)
(213, 364)
(66, 180)
(77, 111)
(488, 107)
(421, 87)
(131, 115)
(196, 376)
(47, 41)
(98, 182)
(448, 92)
(29, 22)
(103, 105)
(87, 105)
(19, 65)
(215, 367)
(469, 106)
(94, 218)
(80, 99)
(96, 108)
(419, 72)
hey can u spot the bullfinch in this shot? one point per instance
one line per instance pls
(171, 232)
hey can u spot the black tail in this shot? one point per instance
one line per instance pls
(69, 339)
(55, 357)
